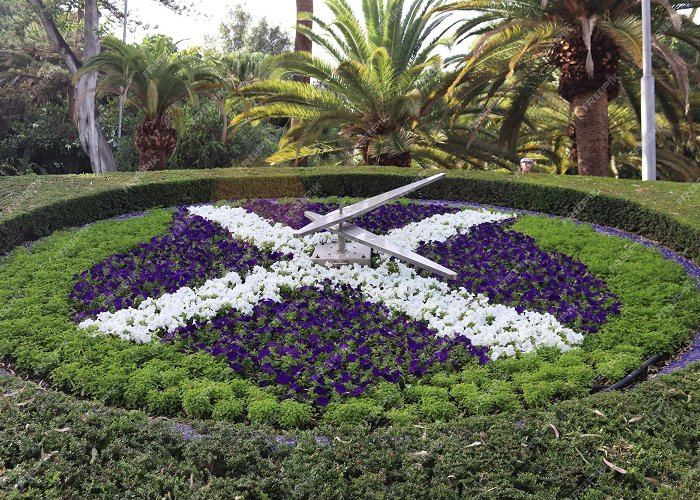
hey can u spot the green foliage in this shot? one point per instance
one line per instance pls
(237, 33)
(466, 395)
(196, 401)
(353, 413)
(263, 412)
(551, 381)
(650, 432)
(437, 409)
(498, 396)
(387, 394)
(294, 415)
(403, 417)
(200, 142)
(417, 392)
(445, 380)
(618, 361)
(230, 409)
(164, 402)
(383, 100)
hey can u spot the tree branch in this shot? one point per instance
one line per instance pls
(62, 47)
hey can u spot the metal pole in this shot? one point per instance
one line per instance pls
(648, 99)
(121, 95)
(341, 237)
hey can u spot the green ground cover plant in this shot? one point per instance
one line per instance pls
(56, 446)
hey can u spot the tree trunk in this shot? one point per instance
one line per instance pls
(91, 137)
(156, 140)
(302, 42)
(592, 134)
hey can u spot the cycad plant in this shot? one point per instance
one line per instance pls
(593, 46)
(156, 83)
(382, 98)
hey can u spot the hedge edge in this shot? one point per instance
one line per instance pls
(591, 206)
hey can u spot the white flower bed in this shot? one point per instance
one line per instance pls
(447, 311)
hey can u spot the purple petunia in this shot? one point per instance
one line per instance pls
(509, 268)
(311, 351)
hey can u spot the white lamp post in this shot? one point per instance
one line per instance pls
(648, 99)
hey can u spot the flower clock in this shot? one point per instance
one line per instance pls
(233, 281)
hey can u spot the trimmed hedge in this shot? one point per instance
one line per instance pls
(54, 446)
(139, 193)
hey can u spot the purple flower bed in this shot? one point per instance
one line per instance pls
(191, 251)
(511, 269)
(381, 220)
(324, 344)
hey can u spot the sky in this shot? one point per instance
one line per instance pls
(191, 29)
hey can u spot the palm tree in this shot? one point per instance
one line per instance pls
(383, 98)
(156, 83)
(238, 69)
(592, 44)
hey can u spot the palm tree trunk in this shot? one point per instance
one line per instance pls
(592, 134)
(156, 141)
(302, 42)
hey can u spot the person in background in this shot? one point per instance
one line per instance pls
(526, 165)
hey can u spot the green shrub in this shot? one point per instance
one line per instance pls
(263, 412)
(497, 397)
(196, 401)
(164, 402)
(255, 393)
(475, 374)
(200, 146)
(467, 396)
(518, 456)
(229, 409)
(171, 189)
(141, 384)
(551, 381)
(405, 416)
(204, 365)
(435, 409)
(615, 364)
(387, 394)
(241, 387)
(417, 392)
(445, 380)
(294, 415)
(353, 412)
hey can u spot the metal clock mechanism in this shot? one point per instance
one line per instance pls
(355, 245)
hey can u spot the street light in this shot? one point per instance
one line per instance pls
(648, 99)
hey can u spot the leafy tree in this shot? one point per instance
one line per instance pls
(237, 33)
(156, 84)
(385, 94)
(91, 136)
(591, 44)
